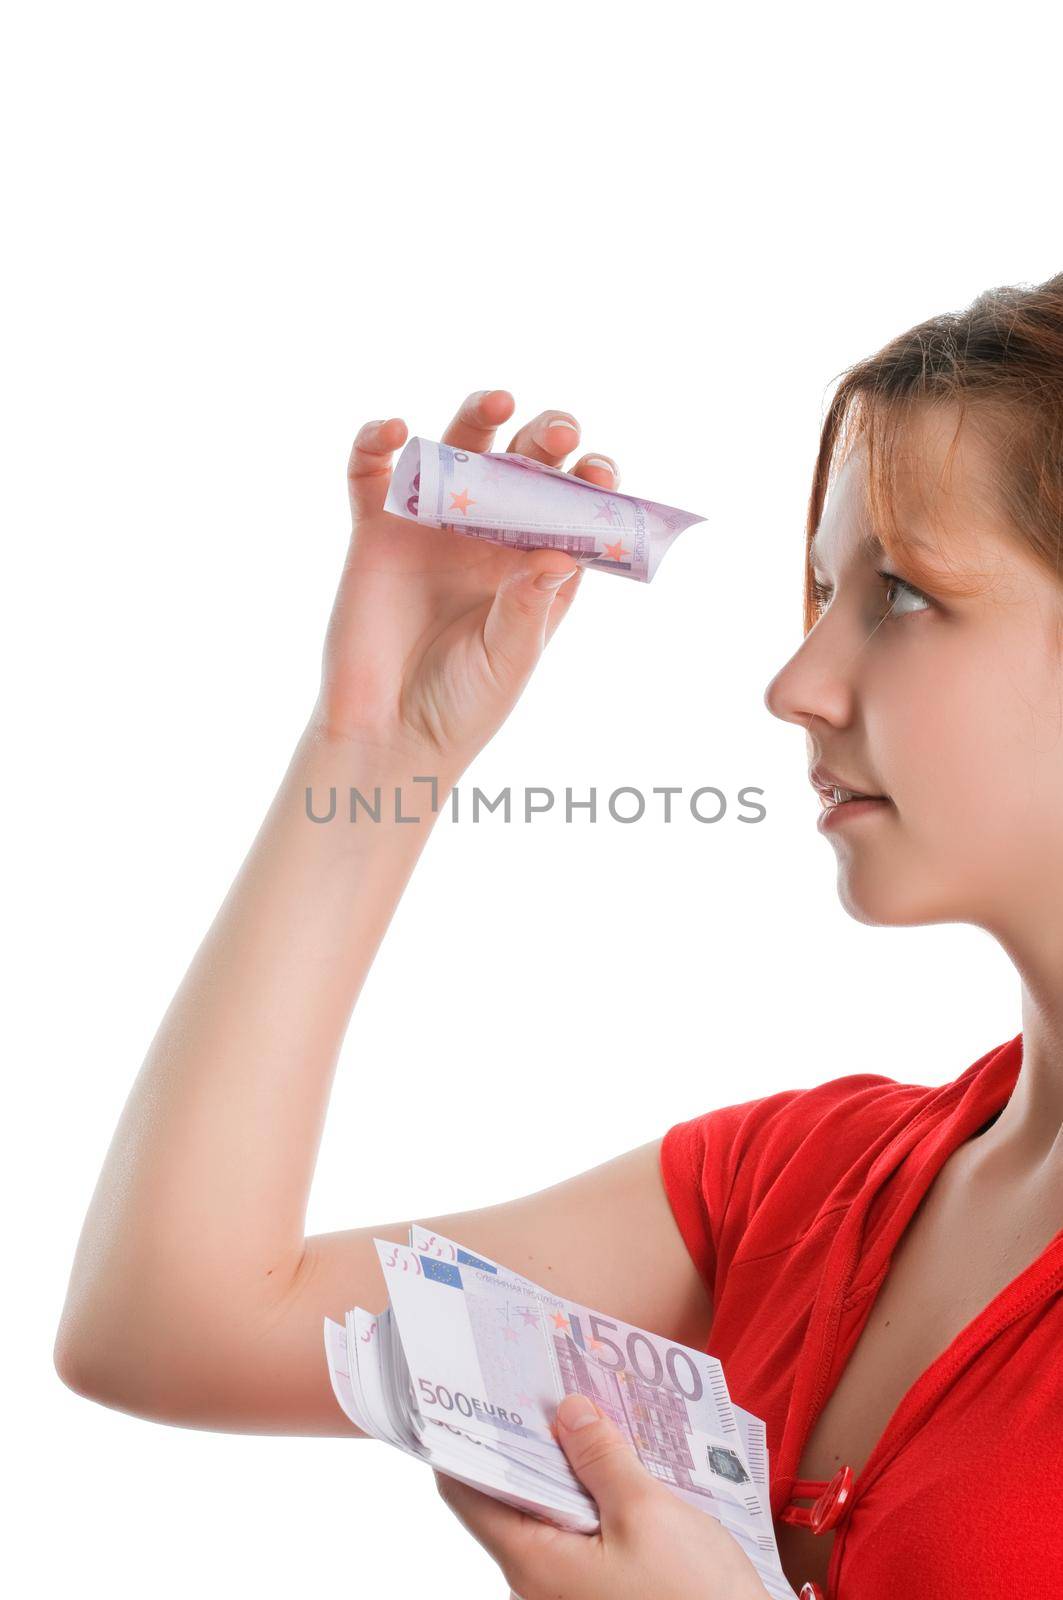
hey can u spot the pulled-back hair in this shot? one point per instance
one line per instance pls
(998, 365)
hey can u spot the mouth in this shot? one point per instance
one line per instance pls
(834, 791)
(837, 796)
(838, 800)
(847, 807)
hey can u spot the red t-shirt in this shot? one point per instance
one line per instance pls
(791, 1206)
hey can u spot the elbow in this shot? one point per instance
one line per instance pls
(67, 1352)
(107, 1351)
(72, 1350)
(78, 1364)
(86, 1378)
(70, 1364)
(150, 1381)
(72, 1361)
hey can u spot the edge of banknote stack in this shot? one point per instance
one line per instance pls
(465, 1368)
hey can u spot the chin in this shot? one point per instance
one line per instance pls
(867, 898)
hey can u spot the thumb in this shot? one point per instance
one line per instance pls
(515, 626)
(600, 1456)
(369, 467)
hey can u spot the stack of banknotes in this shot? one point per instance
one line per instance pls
(510, 499)
(466, 1367)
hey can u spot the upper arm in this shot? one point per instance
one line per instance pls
(606, 1238)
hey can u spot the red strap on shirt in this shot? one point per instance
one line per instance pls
(831, 1503)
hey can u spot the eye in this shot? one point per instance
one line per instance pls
(907, 591)
(822, 594)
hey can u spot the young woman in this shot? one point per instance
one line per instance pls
(878, 1264)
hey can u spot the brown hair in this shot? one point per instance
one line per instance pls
(1000, 363)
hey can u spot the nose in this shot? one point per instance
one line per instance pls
(813, 683)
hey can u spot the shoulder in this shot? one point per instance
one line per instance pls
(756, 1140)
(757, 1175)
(754, 1169)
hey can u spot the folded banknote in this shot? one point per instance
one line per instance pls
(509, 499)
(465, 1369)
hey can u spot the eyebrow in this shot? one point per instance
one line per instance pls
(871, 546)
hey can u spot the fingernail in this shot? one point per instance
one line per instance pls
(560, 423)
(600, 461)
(576, 1411)
(553, 580)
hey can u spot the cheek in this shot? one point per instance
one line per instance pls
(921, 723)
(974, 752)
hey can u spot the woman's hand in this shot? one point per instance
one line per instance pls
(651, 1543)
(434, 634)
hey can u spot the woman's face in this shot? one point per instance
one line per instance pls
(951, 708)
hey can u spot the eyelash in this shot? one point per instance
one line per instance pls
(821, 592)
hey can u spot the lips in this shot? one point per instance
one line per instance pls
(833, 789)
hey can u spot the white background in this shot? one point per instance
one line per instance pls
(236, 233)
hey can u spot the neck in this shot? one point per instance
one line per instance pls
(1027, 1137)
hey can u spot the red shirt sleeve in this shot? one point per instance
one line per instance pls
(720, 1168)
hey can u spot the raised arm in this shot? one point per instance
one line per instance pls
(194, 1237)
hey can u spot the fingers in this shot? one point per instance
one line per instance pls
(553, 435)
(369, 467)
(496, 1526)
(549, 437)
(559, 607)
(602, 470)
(477, 419)
(515, 627)
(523, 1546)
(603, 1460)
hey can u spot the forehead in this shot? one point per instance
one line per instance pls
(945, 497)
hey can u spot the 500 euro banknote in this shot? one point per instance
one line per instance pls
(670, 1401)
(510, 499)
(465, 1367)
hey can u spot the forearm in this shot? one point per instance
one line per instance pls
(202, 1199)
